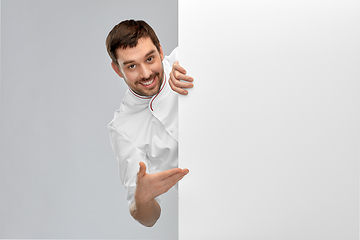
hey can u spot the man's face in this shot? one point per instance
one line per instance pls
(141, 67)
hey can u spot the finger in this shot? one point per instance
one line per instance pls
(180, 84)
(180, 73)
(165, 174)
(177, 175)
(177, 67)
(177, 89)
(169, 183)
(181, 80)
(163, 185)
(142, 170)
(175, 178)
(177, 76)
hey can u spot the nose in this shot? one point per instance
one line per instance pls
(145, 72)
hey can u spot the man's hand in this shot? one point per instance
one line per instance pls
(179, 73)
(145, 209)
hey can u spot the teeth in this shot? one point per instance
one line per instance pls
(148, 82)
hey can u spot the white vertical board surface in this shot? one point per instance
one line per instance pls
(270, 132)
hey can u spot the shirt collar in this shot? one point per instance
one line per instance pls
(145, 99)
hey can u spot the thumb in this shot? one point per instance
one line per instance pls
(142, 170)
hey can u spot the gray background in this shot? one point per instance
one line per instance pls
(58, 174)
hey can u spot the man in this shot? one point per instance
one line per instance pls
(144, 131)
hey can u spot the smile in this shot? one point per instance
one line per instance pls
(148, 83)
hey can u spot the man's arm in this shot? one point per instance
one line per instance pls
(179, 73)
(146, 209)
(142, 187)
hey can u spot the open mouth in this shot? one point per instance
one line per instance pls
(148, 84)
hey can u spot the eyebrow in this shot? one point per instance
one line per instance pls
(131, 61)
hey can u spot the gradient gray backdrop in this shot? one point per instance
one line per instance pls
(58, 174)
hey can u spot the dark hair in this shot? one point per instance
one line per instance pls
(127, 34)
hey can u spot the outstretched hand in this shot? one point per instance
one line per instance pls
(179, 73)
(149, 186)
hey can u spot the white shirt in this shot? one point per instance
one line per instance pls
(145, 129)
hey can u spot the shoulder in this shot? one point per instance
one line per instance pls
(170, 60)
(124, 110)
(172, 57)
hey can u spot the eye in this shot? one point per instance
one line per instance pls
(150, 59)
(132, 66)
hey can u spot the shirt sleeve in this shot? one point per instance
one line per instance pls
(128, 156)
(173, 57)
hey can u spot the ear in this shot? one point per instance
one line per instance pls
(116, 69)
(161, 53)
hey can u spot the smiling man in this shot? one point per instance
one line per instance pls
(144, 131)
(141, 67)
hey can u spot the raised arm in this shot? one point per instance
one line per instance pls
(177, 74)
(142, 188)
(146, 209)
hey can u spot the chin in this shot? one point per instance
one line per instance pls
(153, 91)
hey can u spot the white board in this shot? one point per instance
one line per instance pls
(270, 132)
